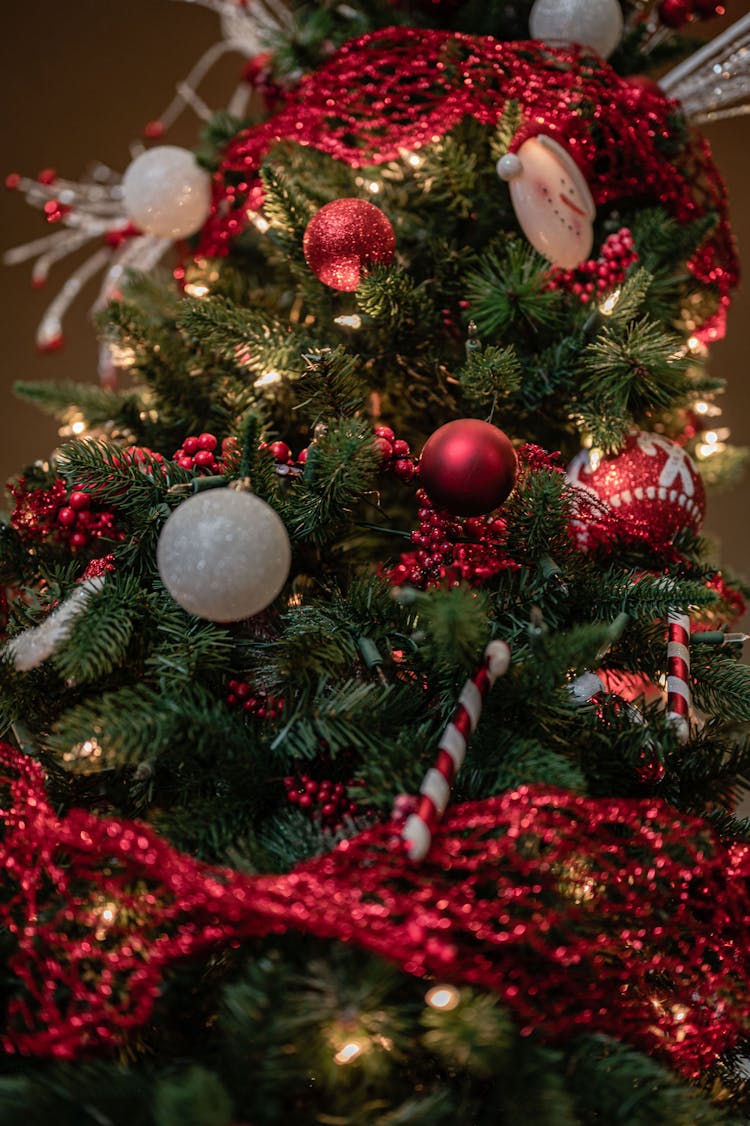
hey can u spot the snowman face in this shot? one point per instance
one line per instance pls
(551, 200)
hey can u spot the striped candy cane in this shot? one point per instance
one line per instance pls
(435, 790)
(678, 674)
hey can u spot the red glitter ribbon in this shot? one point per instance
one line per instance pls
(401, 88)
(618, 916)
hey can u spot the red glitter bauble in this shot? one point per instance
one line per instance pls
(652, 484)
(346, 237)
(468, 467)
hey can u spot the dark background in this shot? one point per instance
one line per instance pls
(81, 79)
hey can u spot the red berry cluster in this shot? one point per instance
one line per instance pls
(452, 548)
(282, 454)
(198, 452)
(676, 13)
(53, 514)
(241, 695)
(80, 523)
(395, 453)
(597, 276)
(326, 801)
(142, 458)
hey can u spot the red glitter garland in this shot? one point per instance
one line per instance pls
(402, 88)
(618, 916)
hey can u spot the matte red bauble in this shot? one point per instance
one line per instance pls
(651, 483)
(344, 238)
(468, 467)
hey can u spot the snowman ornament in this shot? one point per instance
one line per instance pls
(551, 199)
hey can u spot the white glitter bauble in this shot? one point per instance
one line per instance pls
(166, 193)
(594, 23)
(224, 555)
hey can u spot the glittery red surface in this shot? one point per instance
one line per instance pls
(651, 487)
(617, 916)
(402, 88)
(346, 237)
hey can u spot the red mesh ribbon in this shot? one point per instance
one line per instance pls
(402, 88)
(619, 916)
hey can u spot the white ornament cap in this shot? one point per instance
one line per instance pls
(509, 166)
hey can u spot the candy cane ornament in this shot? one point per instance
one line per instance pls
(678, 674)
(435, 790)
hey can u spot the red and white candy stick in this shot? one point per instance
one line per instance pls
(435, 790)
(678, 674)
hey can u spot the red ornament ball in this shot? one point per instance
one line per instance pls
(468, 467)
(344, 238)
(652, 484)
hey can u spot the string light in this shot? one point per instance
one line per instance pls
(352, 321)
(349, 1052)
(444, 998)
(196, 289)
(267, 379)
(89, 750)
(608, 304)
(78, 426)
(258, 222)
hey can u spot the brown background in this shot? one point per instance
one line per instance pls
(81, 79)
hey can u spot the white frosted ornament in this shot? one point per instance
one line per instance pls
(551, 199)
(166, 192)
(593, 23)
(224, 555)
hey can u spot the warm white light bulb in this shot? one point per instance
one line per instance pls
(442, 997)
(608, 305)
(349, 1052)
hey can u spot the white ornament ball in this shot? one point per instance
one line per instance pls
(166, 192)
(224, 555)
(593, 23)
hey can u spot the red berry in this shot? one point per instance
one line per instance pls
(47, 176)
(79, 500)
(190, 445)
(404, 469)
(207, 442)
(328, 809)
(66, 517)
(384, 448)
(305, 801)
(302, 457)
(153, 130)
(401, 448)
(79, 539)
(204, 459)
(281, 452)
(674, 13)
(385, 432)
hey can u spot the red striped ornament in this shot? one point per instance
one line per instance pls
(435, 790)
(678, 674)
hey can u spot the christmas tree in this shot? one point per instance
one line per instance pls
(373, 715)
